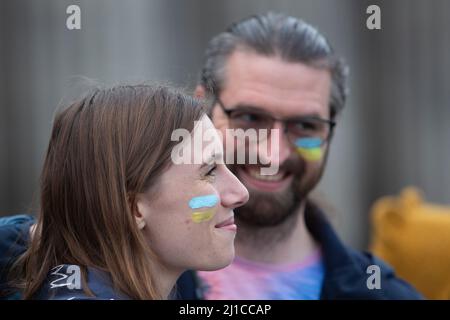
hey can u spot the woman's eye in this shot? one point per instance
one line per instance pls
(212, 171)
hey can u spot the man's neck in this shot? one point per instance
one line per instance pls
(289, 242)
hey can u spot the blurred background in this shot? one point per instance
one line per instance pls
(394, 132)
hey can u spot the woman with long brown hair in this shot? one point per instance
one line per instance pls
(118, 219)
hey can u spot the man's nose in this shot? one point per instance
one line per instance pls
(282, 149)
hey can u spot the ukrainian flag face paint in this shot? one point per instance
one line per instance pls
(203, 207)
(310, 148)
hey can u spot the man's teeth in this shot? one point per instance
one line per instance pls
(255, 173)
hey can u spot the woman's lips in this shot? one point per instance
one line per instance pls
(227, 224)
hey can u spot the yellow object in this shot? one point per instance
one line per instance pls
(313, 154)
(200, 216)
(414, 237)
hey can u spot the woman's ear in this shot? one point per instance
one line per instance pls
(140, 211)
(140, 221)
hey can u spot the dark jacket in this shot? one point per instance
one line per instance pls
(60, 279)
(14, 237)
(14, 234)
(346, 272)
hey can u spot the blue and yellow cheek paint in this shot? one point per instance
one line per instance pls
(203, 207)
(310, 148)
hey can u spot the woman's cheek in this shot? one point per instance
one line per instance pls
(203, 208)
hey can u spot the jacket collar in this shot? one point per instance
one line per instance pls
(335, 253)
(344, 276)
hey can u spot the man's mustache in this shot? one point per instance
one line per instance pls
(293, 165)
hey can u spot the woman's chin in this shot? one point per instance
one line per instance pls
(219, 262)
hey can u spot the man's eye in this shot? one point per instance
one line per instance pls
(248, 117)
(308, 125)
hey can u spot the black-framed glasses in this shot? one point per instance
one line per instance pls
(295, 128)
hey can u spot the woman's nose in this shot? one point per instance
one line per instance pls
(235, 193)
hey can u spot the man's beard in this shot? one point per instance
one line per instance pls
(271, 209)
